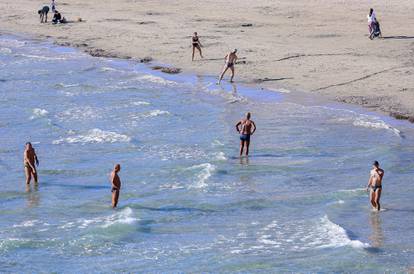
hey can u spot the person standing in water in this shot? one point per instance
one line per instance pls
(116, 185)
(231, 59)
(246, 128)
(375, 185)
(29, 160)
(196, 45)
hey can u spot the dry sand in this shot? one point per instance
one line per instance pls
(308, 45)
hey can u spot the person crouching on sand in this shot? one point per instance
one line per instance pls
(43, 14)
(116, 185)
(375, 185)
(231, 59)
(196, 45)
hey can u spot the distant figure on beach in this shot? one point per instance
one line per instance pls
(196, 45)
(57, 18)
(373, 25)
(246, 128)
(53, 5)
(43, 14)
(29, 160)
(231, 59)
(375, 185)
(116, 185)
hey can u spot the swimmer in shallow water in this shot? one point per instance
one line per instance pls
(246, 128)
(29, 160)
(231, 59)
(375, 185)
(116, 185)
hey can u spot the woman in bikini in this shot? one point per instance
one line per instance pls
(196, 45)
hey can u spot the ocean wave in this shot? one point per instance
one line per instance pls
(12, 43)
(220, 156)
(62, 85)
(40, 57)
(140, 103)
(205, 172)
(155, 113)
(80, 113)
(5, 50)
(155, 79)
(337, 235)
(94, 136)
(374, 122)
(38, 113)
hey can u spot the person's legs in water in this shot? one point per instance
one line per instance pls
(115, 197)
(241, 147)
(377, 198)
(372, 198)
(28, 172)
(247, 147)
(34, 174)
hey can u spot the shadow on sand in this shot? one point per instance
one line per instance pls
(398, 37)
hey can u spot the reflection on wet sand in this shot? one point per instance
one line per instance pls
(377, 235)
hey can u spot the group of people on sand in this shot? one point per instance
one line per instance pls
(229, 60)
(245, 127)
(57, 17)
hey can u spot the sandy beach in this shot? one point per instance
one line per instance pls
(312, 46)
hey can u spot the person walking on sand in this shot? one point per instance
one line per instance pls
(53, 5)
(29, 160)
(116, 185)
(196, 45)
(231, 59)
(245, 128)
(375, 185)
(373, 25)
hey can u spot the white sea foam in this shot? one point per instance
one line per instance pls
(12, 43)
(140, 103)
(220, 156)
(373, 122)
(205, 172)
(38, 113)
(155, 79)
(5, 51)
(40, 57)
(80, 113)
(29, 223)
(62, 85)
(124, 216)
(337, 235)
(94, 136)
(155, 113)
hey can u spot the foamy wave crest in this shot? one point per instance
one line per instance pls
(5, 51)
(80, 113)
(205, 172)
(95, 136)
(221, 156)
(156, 80)
(140, 103)
(155, 113)
(12, 43)
(337, 235)
(41, 57)
(124, 216)
(373, 122)
(38, 113)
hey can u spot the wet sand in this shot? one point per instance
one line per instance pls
(313, 46)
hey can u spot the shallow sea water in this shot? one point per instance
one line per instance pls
(188, 203)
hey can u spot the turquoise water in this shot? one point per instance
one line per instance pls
(188, 203)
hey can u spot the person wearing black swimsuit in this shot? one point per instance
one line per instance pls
(196, 45)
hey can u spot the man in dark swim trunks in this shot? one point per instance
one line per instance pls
(231, 59)
(375, 185)
(116, 185)
(29, 160)
(43, 14)
(196, 45)
(246, 128)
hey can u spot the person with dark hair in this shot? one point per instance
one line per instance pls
(231, 59)
(116, 185)
(245, 128)
(373, 25)
(43, 14)
(375, 185)
(29, 160)
(196, 45)
(57, 18)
